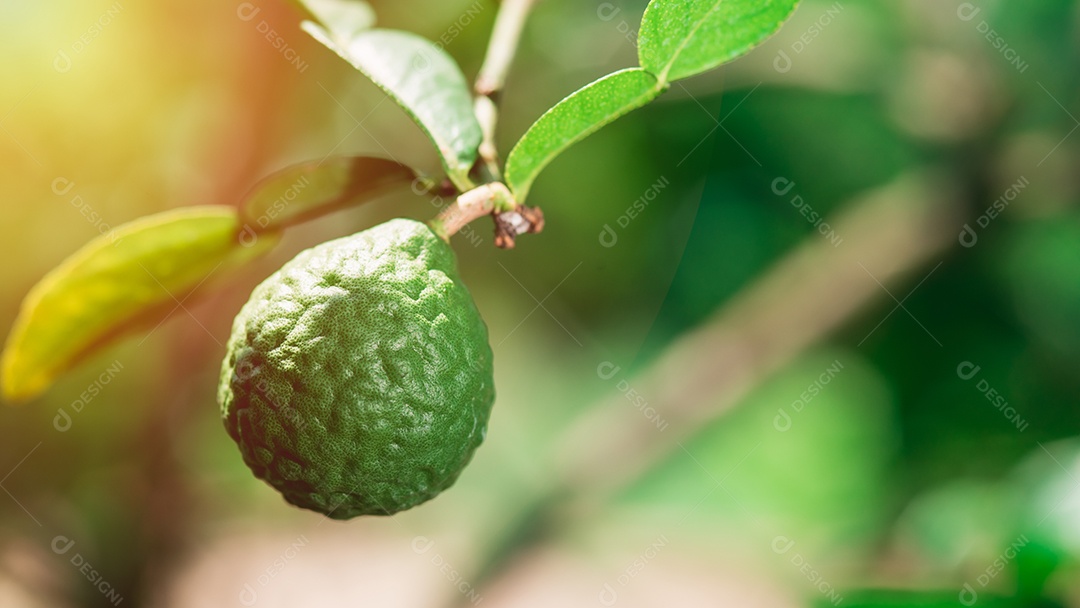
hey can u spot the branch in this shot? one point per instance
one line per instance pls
(472, 205)
(811, 292)
(489, 82)
(503, 46)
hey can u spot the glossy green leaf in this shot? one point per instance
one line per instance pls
(423, 80)
(300, 192)
(133, 277)
(344, 18)
(680, 38)
(575, 118)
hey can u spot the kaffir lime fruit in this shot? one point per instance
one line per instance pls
(358, 378)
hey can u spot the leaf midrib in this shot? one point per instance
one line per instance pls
(525, 187)
(663, 76)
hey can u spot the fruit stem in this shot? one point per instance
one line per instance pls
(495, 199)
(474, 204)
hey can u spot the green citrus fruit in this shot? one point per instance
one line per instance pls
(358, 378)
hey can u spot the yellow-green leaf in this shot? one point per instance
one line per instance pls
(133, 277)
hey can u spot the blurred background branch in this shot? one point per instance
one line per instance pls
(808, 294)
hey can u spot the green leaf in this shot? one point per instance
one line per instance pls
(344, 18)
(132, 277)
(680, 38)
(575, 118)
(300, 192)
(423, 80)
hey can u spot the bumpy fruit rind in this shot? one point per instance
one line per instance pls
(358, 378)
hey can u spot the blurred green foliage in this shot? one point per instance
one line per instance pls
(900, 473)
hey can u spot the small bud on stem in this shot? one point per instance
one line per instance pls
(511, 218)
(509, 224)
